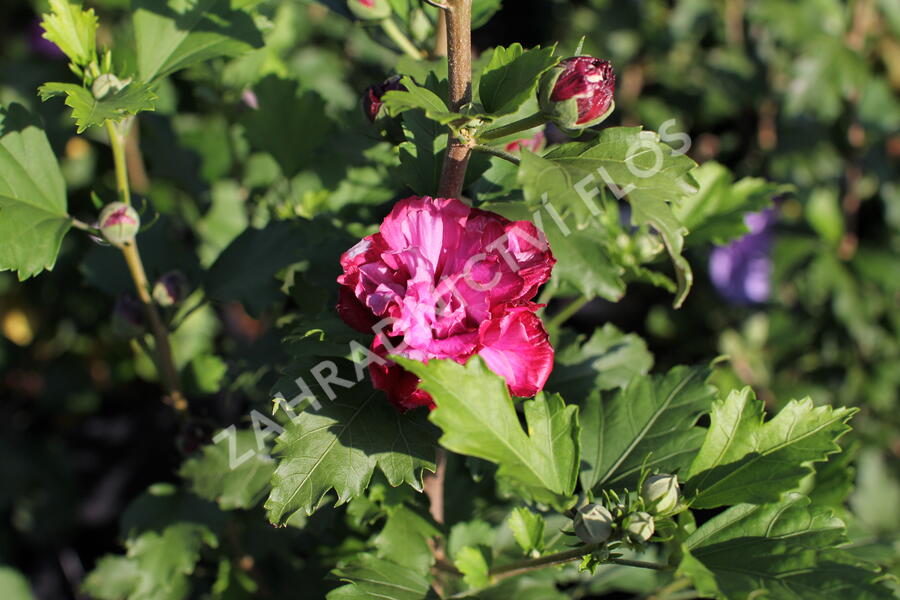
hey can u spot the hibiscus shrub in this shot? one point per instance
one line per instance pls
(362, 314)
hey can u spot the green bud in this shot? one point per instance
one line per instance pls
(593, 523)
(108, 84)
(661, 493)
(370, 10)
(119, 223)
(170, 289)
(639, 527)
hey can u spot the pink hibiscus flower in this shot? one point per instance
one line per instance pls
(443, 280)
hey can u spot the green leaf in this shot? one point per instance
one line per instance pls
(372, 577)
(745, 460)
(211, 477)
(418, 97)
(716, 212)
(649, 423)
(157, 566)
(528, 529)
(13, 585)
(477, 416)
(422, 158)
(473, 564)
(780, 551)
(511, 77)
(339, 445)
(174, 34)
(290, 125)
(72, 29)
(651, 175)
(33, 216)
(404, 539)
(582, 264)
(608, 360)
(245, 270)
(90, 112)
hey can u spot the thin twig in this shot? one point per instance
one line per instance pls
(556, 321)
(168, 374)
(497, 152)
(78, 224)
(559, 558)
(523, 124)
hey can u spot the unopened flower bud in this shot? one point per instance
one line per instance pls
(593, 523)
(578, 93)
(639, 527)
(170, 289)
(370, 10)
(661, 493)
(108, 84)
(119, 223)
(389, 127)
(128, 316)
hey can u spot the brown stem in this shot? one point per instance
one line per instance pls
(434, 489)
(434, 486)
(164, 363)
(459, 62)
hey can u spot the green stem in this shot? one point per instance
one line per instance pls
(503, 131)
(117, 142)
(397, 36)
(497, 152)
(77, 224)
(556, 321)
(168, 374)
(523, 566)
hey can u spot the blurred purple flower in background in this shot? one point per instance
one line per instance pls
(39, 45)
(742, 270)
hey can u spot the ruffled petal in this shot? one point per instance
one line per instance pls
(401, 386)
(516, 347)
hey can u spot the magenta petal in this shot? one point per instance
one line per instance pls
(516, 346)
(433, 225)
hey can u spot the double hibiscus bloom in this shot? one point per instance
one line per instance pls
(444, 280)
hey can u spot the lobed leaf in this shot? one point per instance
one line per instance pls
(371, 577)
(175, 34)
(90, 112)
(652, 177)
(744, 459)
(512, 75)
(338, 446)
(73, 30)
(649, 423)
(785, 550)
(477, 416)
(33, 210)
(211, 477)
(607, 360)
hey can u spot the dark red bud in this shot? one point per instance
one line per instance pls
(372, 97)
(590, 81)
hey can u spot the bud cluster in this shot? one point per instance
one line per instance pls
(661, 494)
(630, 519)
